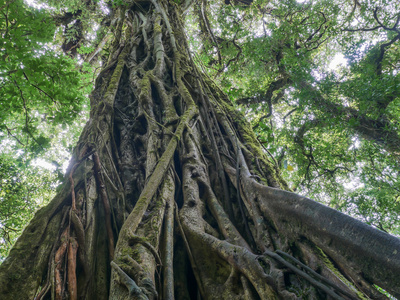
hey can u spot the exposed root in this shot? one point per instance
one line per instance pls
(58, 262)
(316, 275)
(72, 281)
(134, 291)
(106, 204)
(321, 286)
(168, 271)
(140, 240)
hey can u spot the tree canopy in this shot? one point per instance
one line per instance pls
(332, 129)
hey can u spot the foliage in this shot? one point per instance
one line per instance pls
(20, 196)
(42, 94)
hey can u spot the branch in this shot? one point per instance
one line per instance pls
(362, 29)
(237, 55)
(319, 28)
(10, 134)
(27, 117)
(288, 114)
(274, 86)
(382, 53)
(380, 23)
(397, 22)
(332, 172)
(39, 89)
(375, 130)
(7, 4)
(237, 2)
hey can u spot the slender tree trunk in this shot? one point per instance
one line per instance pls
(169, 196)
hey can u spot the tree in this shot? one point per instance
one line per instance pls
(169, 194)
(42, 94)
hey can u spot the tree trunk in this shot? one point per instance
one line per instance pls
(169, 196)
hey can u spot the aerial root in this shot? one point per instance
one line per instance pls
(80, 236)
(141, 240)
(246, 286)
(168, 257)
(238, 257)
(142, 291)
(72, 281)
(135, 292)
(324, 287)
(104, 198)
(315, 274)
(157, 176)
(58, 261)
(71, 174)
(189, 252)
(225, 225)
(78, 226)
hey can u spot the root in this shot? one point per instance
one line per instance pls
(72, 282)
(189, 251)
(155, 179)
(135, 292)
(58, 261)
(141, 240)
(296, 270)
(316, 275)
(168, 258)
(104, 198)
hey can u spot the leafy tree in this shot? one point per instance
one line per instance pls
(169, 193)
(42, 92)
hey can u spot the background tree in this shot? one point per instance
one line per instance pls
(170, 194)
(42, 92)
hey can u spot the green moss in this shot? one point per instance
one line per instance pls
(114, 81)
(123, 263)
(145, 87)
(328, 263)
(125, 251)
(157, 27)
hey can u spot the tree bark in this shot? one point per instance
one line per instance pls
(168, 170)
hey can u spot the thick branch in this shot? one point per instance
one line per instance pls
(345, 239)
(375, 130)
